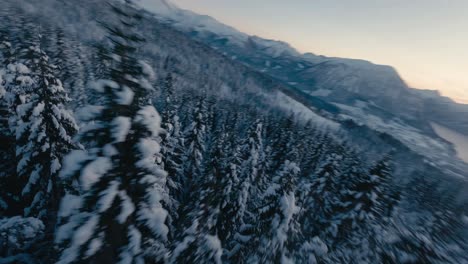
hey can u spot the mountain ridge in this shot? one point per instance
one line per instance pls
(330, 78)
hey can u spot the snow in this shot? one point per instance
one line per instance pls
(189, 21)
(19, 232)
(21, 68)
(94, 171)
(149, 117)
(131, 251)
(458, 140)
(107, 197)
(100, 85)
(24, 80)
(72, 163)
(109, 150)
(94, 246)
(302, 112)
(125, 96)
(436, 150)
(288, 210)
(88, 112)
(145, 84)
(70, 204)
(148, 148)
(27, 227)
(23, 108)
(2, 89)
(81, 236)
(154, 217)
(321, 92)
(213, 244)
(318, 247)
(147, 70)
(33, 178)
(181, 247)
(127, 207)
(120, 128)
(274, 48)
(55, 166)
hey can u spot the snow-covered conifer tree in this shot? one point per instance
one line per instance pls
(120, 216)
(172, 145)
(195, 143)
(200, 242)
(240, 213)
(44, 131)
(278, 230)
(322, 200)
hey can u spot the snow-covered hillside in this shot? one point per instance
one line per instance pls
(340, 81)
(125, 139)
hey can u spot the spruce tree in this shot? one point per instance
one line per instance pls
(195, 144)
(120, 216)
(322, 200)
(172, 144)
(242, 207)
(278, 229)
(387, 192)
(200, 242)
(44, 131)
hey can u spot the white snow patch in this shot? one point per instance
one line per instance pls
(94, 246)
(94, 171)
(458, 140)
(120, 127)
(70, 204)
(107, 197)
(147, 70)
(127, 207)
(88, 112)
(125, 96)
(72, 163)
(214, 245)
(81, 236)
(303, 112)
(321, 92)
(55, 166)
(149, 117)
(100, 85)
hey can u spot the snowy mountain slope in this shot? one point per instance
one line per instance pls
(207, 27)
(392, 107)
(346, 79)
(194, 63)
(258, 170)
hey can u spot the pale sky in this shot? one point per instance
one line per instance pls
(425, 40)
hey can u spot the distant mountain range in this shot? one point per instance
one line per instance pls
(341, 89)
(336, 80)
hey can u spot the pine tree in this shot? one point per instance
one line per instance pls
(387, 192)
(278, 217)
(195, 144)
(200, 242)
(322, 200)
(44, 132)
(172, 145)
(239, 212)
(19, 84)
(120, 216)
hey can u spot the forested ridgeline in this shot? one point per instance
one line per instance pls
(105, 161)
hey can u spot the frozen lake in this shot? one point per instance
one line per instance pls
(460, 141)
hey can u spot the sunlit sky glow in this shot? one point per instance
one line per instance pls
(425, 40)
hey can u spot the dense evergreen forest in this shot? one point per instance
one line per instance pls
(103, 160)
